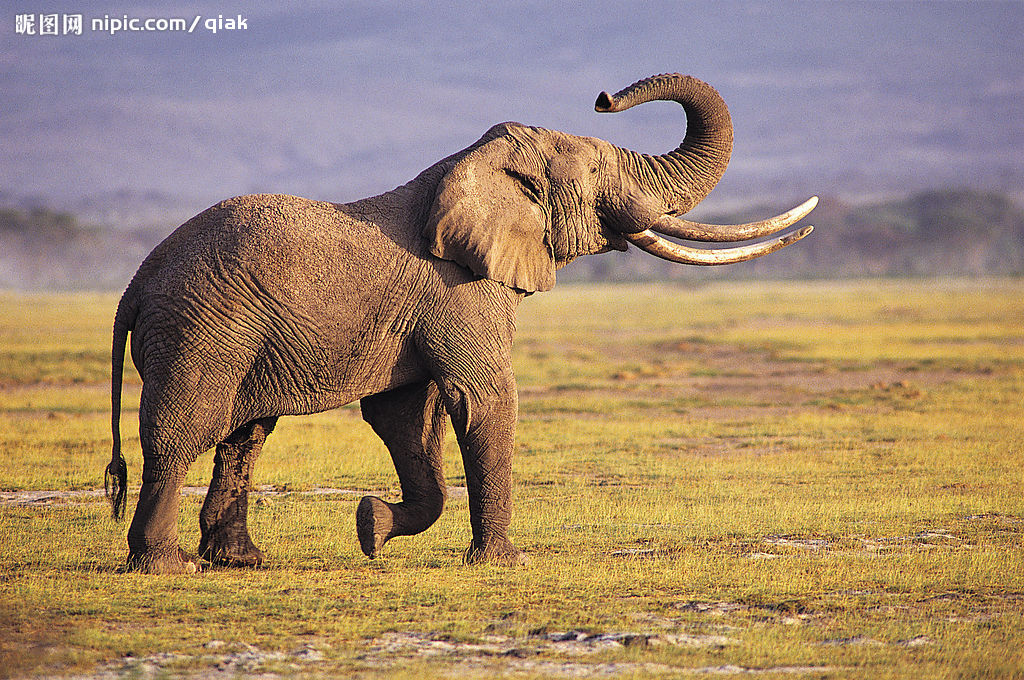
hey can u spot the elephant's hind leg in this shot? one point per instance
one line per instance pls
(411, 422)
(223, 520)
(153, 534)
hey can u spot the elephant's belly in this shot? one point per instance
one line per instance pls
(329, 377)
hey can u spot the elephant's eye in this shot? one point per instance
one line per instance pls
(528, 185)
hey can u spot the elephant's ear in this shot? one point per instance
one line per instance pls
(483, 219)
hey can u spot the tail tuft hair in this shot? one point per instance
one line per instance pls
(115, 481)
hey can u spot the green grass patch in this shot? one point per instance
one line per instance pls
(799, 479)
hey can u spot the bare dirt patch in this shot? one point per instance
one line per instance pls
(221, 660)
(556, 654)
(721, 381)
(756, 377)
(549, 655)
(56, 497)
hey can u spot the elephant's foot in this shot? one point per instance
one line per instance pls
(174, 562)
(497, 552)
(230, 548)
(374, 523)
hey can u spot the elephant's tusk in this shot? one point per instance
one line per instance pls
(697, 231)
(655, 245)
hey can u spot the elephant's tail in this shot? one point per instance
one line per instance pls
(116, 477)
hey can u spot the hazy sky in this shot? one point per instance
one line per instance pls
(337, 100)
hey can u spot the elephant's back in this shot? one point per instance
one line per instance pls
(283, 241)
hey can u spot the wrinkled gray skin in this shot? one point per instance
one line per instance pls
(268, 305)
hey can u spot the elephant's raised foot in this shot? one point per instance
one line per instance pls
(175, 562)
(374, 522)
(230, 551)
(500, 553)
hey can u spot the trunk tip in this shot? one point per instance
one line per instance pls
(604, 103)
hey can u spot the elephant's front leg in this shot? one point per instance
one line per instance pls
(223, 520)
(411, 422)
(485, 423)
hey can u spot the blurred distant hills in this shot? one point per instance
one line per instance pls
(933, 233)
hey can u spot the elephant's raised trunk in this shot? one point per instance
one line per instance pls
(671, 184)
(691, 171)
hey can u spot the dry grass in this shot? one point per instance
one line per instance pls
(811, 479)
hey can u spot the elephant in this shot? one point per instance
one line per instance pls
(265, 306)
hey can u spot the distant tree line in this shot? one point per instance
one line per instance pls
(42, 249)
(934, 233)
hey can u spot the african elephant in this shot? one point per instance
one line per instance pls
(269, 305)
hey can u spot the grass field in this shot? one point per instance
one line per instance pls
(788, 479)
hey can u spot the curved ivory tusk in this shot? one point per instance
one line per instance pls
(697, 231)
(655, 245)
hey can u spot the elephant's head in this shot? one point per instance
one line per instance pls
(524, 201)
